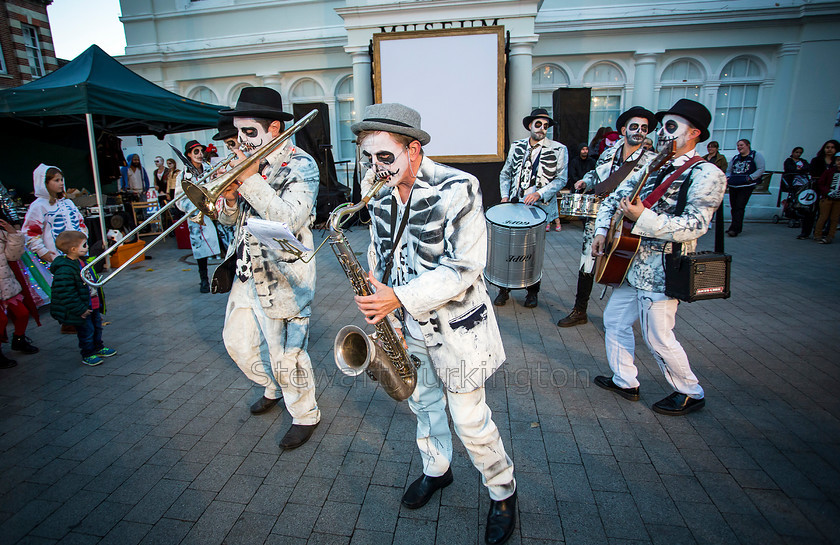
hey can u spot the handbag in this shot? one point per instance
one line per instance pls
(698, 276)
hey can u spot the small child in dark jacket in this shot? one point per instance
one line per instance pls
(74, 302)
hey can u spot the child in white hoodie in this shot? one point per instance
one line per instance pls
(51, 214)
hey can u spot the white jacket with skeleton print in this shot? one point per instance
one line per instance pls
(285, 191)
(551, 176)
(658, 226)
(445, 291)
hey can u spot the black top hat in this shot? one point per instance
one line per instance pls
(192, 144)
(395, 118)
(637, 111)
(261, 102)
(535, 113)
(226, 129)
(696, 114)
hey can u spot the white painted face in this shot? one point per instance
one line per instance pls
(386, 156)
(538, 128)
(674, 128)
(635, 130)
(252, 135)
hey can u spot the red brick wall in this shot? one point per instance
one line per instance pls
(13, 13)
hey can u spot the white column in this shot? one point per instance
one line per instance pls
(170, 85)
(644, 80)
(775, 149)
(275, 81)
(519, 98)
(362, 92)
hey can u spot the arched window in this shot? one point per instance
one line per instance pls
(544, 80)
(681, 79)
(346, 113)
(737, 101)
(203, 94)
(307, 90)
(607, 83)
(234, 94)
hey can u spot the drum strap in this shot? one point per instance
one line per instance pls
(395, 241)
(608, 185)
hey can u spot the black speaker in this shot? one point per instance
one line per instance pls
(571, 112)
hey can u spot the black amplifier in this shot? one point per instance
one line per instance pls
(697, 276)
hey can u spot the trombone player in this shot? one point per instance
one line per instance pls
(270, 290)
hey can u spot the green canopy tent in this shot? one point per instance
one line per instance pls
(97, 92)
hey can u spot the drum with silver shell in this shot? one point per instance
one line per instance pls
(578, 205)
(515, 245)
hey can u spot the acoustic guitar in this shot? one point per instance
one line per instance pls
(621, 245)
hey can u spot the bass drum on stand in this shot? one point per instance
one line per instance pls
(515, 245)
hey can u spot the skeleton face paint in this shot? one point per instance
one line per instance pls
(386, 155)
(252, 135)
(674, 128)
(538, 129)
(635, 130)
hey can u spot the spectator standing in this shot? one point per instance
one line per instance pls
(172, 177)
(50, 214)
(11, 293)
(819, 164)
(133, 177)
(714, 157)
(744, 172)
(794, 166)
(828, 188)
(74, 302)
(160, 174)
(579, 165)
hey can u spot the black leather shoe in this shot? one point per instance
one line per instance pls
(297, 435)
(678, 404)
(732, 233)
(501, 520)
(22, 343)
(575, 317)
(204, 287)
(530, 300)
(502, 298)
(6, 363)
(420, 491)
(607, 384)
(264, 404)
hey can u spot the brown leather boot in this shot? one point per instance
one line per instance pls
(575, 317)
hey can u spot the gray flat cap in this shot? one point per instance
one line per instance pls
(392, 117)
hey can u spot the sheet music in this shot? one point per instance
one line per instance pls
(274, 234)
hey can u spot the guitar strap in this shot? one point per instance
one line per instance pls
(614, 179)
(660, 190)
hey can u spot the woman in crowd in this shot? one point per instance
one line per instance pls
(744, 172)
(819, 164)
(714, 157)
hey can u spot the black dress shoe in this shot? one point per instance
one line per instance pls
(420, 491)
(297, 435)
(204, 287)
(732, 233)
(678, 404)
(501, 520)
(264, 404)
(502, 298)
(575, 317)
(530, 300)
(607, 384)
(22, 343)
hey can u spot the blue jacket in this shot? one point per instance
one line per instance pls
(124, 174)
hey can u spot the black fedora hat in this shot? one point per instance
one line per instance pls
(537, 113)
(226, 129)
(191, 145)
(395, 118)
(637, 111)
(261, 102)
(696, 114)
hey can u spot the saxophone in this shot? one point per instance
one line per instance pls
(384, 356)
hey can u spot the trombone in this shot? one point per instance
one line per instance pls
(203, 196)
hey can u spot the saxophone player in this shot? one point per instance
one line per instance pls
(426, 257)
(271, 290)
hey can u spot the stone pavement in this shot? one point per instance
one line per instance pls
(157, 445)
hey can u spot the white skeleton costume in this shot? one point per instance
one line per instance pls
(643, 297)
(271, 290)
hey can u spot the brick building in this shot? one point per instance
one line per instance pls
(26, 47)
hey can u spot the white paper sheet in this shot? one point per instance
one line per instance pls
(274, 234)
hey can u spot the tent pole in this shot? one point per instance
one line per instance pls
(96, 183)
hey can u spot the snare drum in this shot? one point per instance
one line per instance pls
(578, 205)
(515, 245)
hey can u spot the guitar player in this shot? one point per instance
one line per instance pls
(643, 296)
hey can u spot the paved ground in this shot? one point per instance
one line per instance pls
(157, 445)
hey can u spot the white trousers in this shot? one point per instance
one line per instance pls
(473, 423)
(657, 313)
(289, 368)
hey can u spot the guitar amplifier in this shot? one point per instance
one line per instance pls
(697, 276)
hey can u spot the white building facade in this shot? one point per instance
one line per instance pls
(765, 69)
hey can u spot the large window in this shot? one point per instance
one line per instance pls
(203, 94)
(607, 82)
(737, 102)
(545, 79)
(307, 90)
(33, 50)
(681, 79)
(346, 113)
